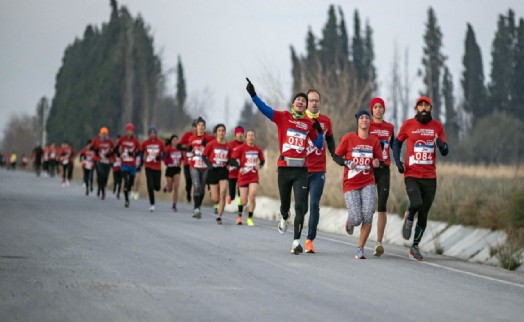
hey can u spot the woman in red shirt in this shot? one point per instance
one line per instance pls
(216, 156)
(173, 159)
(87, 159)
(359, 153)
(250, 159)
(153, 149)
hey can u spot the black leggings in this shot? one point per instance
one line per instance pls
(117, 181)
(187, 175)
(293, 179)
(233, 187)
(88, 178)
(67, 171)
(421, 193)
(129, 181)
(102, 175)
(382, 179)
(153, 183)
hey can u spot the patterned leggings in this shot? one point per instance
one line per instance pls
(361, 205)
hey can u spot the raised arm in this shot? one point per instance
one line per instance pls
(262, 107)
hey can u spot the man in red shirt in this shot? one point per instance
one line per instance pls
(422, 134)
(128, 148)
(233, 173)
(187, 158)
(359, 153)
(103, 146)
(316, 164)
(294, 129)
(383, 131)
(153, 148)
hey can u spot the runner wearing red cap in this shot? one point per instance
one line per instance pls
(129, 149)
(422, 134)
(233, 174)
(249, 158)
(216, 156)
(153, 149)
(293, 132)
(358, 153)
(383, 131)
(184, 141)
(87, 159)
(65, 156)
(316, 163)
(174, 160)
(103, 146)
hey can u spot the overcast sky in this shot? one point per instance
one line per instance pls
(221, 42)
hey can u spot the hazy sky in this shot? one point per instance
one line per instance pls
(221, 42)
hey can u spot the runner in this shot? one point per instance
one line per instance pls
(233, 174)
(153, 149)
(103, 146)
(53, 160)
(196, 144)
(383, 131)
(87, 159)
(12, 160)
(129, 149)
(187, 158)
(25, 161)
(36, 158)
(358, 152)
(173, 160)
(293, 132)
(216, 156)
(422, 134)
(316, 163)
(65, 156)
(116, 167)
(250, 159)
(45, 161)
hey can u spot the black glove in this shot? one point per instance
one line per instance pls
(250, 88)
(317, 126)
(204, 142)
(400, 166)
(158, 158)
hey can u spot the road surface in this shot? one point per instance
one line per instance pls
(68, 257)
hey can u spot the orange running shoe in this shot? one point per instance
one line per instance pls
(239, 220)
(309, 247)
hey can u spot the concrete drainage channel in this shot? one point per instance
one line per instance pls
(477, 245)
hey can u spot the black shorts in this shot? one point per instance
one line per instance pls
(217, 174)
(382, 179)
(172, 171)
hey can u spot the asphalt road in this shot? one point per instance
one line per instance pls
(68, 257)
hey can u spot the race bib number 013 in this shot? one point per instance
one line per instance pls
(295, 140)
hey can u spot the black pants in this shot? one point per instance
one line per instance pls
(88, 178)
(187, 175)
(382, 179)
(128, 174)
(233, 188)
(52, 167)
(117, 182)
(67, 171)
(421, 193)
(38, 168)
(102, 175)
(293, 179)
(153, 183)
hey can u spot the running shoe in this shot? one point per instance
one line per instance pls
(360, 253)
(197, 213)
(250, 222)
(282, 226)
(152, 208)
(126, 204)
(407, 227)
(136, 196)
(228, 199)
(414, 253)
(296, 248)
(219, 221)
(174, 207)
(309, 247)
(379, 250)
(239, 220)
(349, 228)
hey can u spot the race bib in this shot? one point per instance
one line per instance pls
(423, 153)
(295, 140)
(362, 158)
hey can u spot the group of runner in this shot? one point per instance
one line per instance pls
(304, 133)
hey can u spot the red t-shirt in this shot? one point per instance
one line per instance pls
(65, 155)
(153, 149)
(174, 157)
(383, 132)
(116, 163)
(420, 151)
(195, 142)
(104, 149)
(128, 147)
(362, 152)
(45, 154)
(293, 135)
(88, 158)
(53, 153)
(217, 153)
(316, 159)
(185, 141)
(248, 158)
(233, 171)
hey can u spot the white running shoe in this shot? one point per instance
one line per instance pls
(197, 213)
(152, 208)
(282, 226)
(296, 248)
